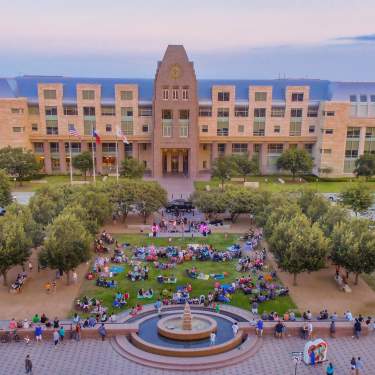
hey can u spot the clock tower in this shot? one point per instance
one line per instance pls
(175, 115)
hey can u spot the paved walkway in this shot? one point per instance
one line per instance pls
(95, 357)
(177, 187)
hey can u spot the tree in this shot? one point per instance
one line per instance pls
(122, 196)
(358, 197)
(223, 168)
(245, 166)
(296, 161)
(365, 165)
(150, 197)
(239, 201)
(298, 246)
(5, 190)
(18, 163)
(82, 214)
(353, 246)
(14, 244)
(83, 162)
(67, 245)
(334, 215)
(132, 168)
(211, 203)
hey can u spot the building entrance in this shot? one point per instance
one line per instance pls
(175, 161)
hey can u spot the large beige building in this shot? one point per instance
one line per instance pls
(176, 124)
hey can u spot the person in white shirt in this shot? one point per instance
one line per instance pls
(235, 329)
(348, 316)
(309, 330)
(212, 338)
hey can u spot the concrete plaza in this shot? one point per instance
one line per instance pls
(95, 357)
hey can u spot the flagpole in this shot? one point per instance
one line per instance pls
(70, 162)
(93, 154)
(117, 168)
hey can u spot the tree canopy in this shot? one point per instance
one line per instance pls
(5, 190)
(18, 163)
(296, 161)
(83, 162)
(245, 166)
(358, 197)
(223, 168)
(365, 165)
(132, 168)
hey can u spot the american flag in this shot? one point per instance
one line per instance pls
(73, 131)
(123, 137)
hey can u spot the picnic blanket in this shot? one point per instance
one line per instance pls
(116, 269)
(203, 276)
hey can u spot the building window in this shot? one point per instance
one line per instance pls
(88, 94)
(175, 93)
(127, 127)
(184, 114)
(223, 112)
(74, 146)
(241, 111)
(108, 110)
(88, 126)
(241, 128)
(239, 148)
(363, 98)
(277, 111)
(297, 97)
(205, 111)
(260, 96)
(259, 112)
(129, 150)
(204, 129)
(370, 141)
(145, 128)
(18, 129)
(311, 129)
(372, 98)
(328, 113)
(204, 146)
(126, 95)
(89, 111)
(276, 129)
(165, 93)
(16, 110)
(353, 133)
(144, 146)
(295, 128)
(55, 164)
(204, 164)
(185, 93)
(275, 148)
(259, 127)
(108, 128)
(49, 94)
(353, 98)
(184, 123)
(308, 148)
(145, 111)
(70, 110)
(221, 149)
(326, 151)
(328, 131)
(34, 127)
(109, 147)
(126, 112)
(312, 111)
(166, 123)
(39, 147)
(296, 112)
(51, 111)
(223, 122)
(33, 109)
(51, 127)
(54, 147)
(223, 96)
(166, 114)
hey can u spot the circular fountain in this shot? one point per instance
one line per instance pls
(187, 327)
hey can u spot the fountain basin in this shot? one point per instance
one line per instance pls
(172, 327)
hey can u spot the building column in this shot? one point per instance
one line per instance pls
(62, 156)
(47, 158)
(250, 150)
(99, 158)
(285, 146)
(169, 162)
(121, 152)
(228, 149)
(136, 150)
(180, 162)
(263, 158)
(214, 151)
(84, 146)
(362, 138)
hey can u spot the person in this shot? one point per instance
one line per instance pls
(279, 328)
(61, 333)
(47, 287)
(56, 337)
(312, 358)
(12, 324)
(36, 319)
(309, 330)
(212, 338)
(76, 318)
(56, 323)
(235, 328)
(30, 267)
(357, 328)
(254, 308)
(259, 328)
(332, 329)
(358, 366)
(75, 277)
(157, 306)
(28, 365)
(102, 331)
(330, 369)
(353, 366)
(38, 333)
(78, 332)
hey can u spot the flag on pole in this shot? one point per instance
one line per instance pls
(97, 137)
(73, 131)
(121, 135)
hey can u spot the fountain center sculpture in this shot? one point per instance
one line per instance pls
(187, 319)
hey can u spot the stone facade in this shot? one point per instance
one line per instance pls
(177, 129)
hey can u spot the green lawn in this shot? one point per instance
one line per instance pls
(199, 286)
(271, 183)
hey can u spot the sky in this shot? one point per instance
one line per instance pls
(328, 39)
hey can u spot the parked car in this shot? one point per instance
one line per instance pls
(2, 211)
(179, 205)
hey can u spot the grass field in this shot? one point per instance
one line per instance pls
(271, 183)
(218, 241)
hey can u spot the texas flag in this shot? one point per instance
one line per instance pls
(97, 137)
(123, 137)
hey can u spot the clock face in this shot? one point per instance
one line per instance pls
(175, 71)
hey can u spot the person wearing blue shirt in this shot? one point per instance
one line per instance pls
(38, 333)
(259, 328)
(330, 369)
